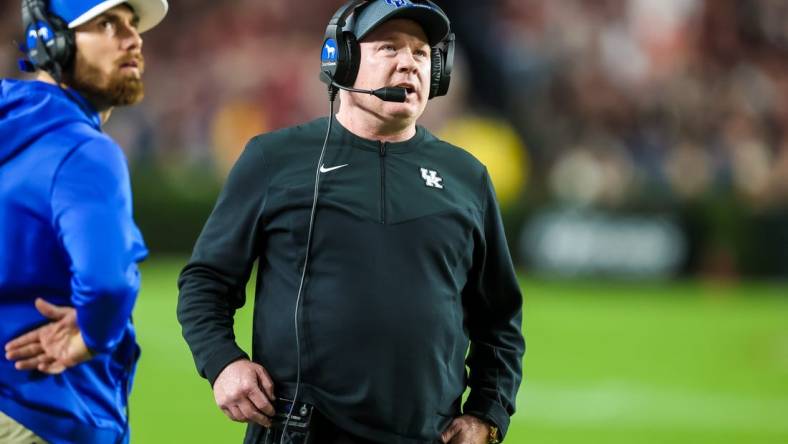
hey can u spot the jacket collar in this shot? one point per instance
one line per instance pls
(342, 135)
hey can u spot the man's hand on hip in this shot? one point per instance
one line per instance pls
(466, 429)
(53, 347)
(244, 391)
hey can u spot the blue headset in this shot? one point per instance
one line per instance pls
(341, 54)
(49, 43)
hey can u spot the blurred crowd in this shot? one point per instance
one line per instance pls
(671, 100)
(615, 99)
(616, 104)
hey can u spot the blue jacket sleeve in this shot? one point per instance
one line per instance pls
(91, 209)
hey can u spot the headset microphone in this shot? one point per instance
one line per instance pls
(387, 94)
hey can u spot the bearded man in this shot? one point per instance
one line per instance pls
(69, 246)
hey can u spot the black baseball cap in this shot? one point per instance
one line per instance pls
(427, 14)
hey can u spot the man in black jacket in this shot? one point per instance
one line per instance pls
(366, 303)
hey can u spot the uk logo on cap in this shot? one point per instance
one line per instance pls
(398, 3)
(328, 56)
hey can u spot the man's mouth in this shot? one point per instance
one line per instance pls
(409, 87)
(133, 64)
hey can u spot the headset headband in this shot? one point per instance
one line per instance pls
(340, 54)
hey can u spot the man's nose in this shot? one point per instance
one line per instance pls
(131, 38)
(406, 61)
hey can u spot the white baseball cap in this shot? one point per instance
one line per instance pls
(77, 12)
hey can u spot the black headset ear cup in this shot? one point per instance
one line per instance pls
(340, 69)
(65, 42)
(348, 55)
(352, 61)
(442, 66)
(436, 71)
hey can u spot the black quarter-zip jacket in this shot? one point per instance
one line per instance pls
(408, 266)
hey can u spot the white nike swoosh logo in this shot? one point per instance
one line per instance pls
(323, 168)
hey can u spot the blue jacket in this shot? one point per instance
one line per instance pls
(66, 235)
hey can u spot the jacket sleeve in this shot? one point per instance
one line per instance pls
(494, 308)
(212, 285)
(91, 210)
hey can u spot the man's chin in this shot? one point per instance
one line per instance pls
(121, 92)
(127, 92)
(402, 111)
(129, 99)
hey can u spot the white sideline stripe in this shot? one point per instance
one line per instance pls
(620, 405)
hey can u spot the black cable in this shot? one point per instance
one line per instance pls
(332, 94)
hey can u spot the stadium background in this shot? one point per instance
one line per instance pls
(640, 154)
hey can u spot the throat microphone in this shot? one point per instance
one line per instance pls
(387, 94)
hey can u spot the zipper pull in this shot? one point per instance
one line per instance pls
(382, 148)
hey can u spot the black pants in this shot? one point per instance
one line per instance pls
(323, 432)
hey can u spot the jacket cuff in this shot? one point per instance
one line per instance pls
(96, 345)
(221, 359)
(489, 411)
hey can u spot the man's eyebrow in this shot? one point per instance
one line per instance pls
(135, 19)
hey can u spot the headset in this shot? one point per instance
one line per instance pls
(49, 43)
(342, 66)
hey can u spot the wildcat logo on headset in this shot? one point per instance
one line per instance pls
(39, 30)
(329, 55)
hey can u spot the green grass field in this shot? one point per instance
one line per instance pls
(605, 363)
